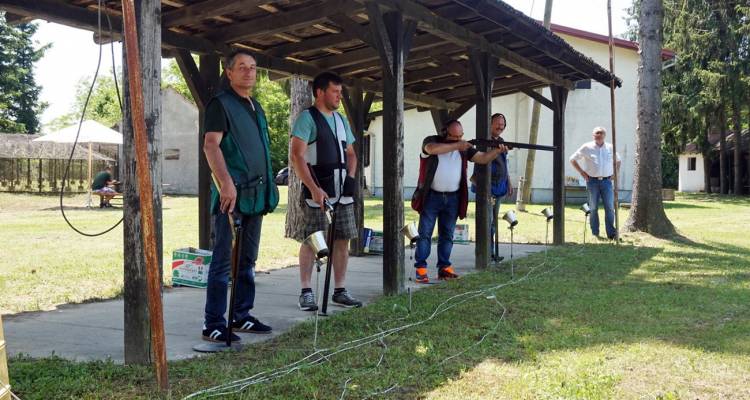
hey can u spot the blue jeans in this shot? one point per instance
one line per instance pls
(601, 190)
(219, 271)
(493, 222)
(443, 208)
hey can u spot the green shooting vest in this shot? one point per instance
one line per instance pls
(245, 147)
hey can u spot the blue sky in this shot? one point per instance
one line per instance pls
(73, 54)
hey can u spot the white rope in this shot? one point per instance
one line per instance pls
(325, 354)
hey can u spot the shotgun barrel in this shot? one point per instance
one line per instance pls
(509, 145)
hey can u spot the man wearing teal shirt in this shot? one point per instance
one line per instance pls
(323, 158)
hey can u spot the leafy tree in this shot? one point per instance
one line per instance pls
(19, 94)
(171, 77)
(103, 105)
(275, 101)
(709, 75)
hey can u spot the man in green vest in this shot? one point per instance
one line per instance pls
(103, 185)
(236, 144)
(323, 158)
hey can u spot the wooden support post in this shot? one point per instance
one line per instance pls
(4, 381)
(357, 109)
(392, 36)
(559, 99)
(142, 230)
(203, 82)
(300, 99)
(439, 118)
(40, 175)
(482, 67)
(211, 78)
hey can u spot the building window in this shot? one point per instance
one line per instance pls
(691, 163)
(172, 154)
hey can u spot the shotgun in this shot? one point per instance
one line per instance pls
(510, 145)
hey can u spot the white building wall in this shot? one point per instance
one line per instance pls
(179, 137)
(691, 181)
(586, 108)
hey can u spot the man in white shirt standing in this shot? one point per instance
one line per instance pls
(593, 161)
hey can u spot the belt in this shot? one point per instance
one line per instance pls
(444, 193)
(601, 178)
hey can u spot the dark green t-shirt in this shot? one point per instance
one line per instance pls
(101, 180)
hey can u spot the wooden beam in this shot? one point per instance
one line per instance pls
(499, 84)
(463, 109)
(357, 109)
(451, 31)
(211, 79)
(539, 98)
(527, 30)
(389, 34)
(354, 28)
(457, 68)
(283, 21)
(422, 46)
(13, 19)
(192, 77)
(82, 18)
(559, 100)
(309, 44)
(439, 118)
(206, 9)
(482, 67)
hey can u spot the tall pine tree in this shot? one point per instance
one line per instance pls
(20, 107)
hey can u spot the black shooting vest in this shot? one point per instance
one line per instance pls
(327, 158)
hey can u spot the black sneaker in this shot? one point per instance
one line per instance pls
(344, 299)
(250, 324)
(218, 334)
(307, 302)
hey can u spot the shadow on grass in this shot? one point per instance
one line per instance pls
(668, 205)
(709, 198)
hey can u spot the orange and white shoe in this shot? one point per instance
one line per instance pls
(447, 273)
(421, 275)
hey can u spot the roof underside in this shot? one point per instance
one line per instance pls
(308, 36)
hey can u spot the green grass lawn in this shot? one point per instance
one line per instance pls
(41, 256)
(646, 319)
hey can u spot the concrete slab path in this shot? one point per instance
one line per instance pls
(94, 331)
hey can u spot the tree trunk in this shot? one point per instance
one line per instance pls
(137, 326)
(723, 170)
(705, 148)
(647, 213)
(738, 189)
(300, 99)
(534, 130)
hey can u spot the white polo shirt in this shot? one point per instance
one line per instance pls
(595, 160)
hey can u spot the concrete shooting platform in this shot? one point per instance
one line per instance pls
(94, 331)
